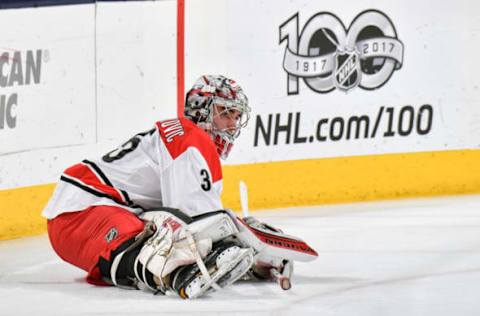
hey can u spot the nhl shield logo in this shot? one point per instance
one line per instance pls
(347, 70)
(111, 235)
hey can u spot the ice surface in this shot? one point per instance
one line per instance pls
(411, 257)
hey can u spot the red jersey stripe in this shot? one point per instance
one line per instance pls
(85, 175)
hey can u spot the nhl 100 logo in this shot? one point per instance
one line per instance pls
(326, 55)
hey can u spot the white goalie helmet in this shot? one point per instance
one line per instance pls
(214, 97)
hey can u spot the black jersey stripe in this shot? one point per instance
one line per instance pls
(80, 185)
(149, 132)
(98, 171)
(105, 179)
(126, 197)
(88, 189)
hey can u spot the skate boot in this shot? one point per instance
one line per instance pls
(226, 263)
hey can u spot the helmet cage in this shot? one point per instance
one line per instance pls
(210, 91)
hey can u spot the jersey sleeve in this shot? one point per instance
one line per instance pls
(191, 176)
(190, 185)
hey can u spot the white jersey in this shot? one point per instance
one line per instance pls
(176, 165)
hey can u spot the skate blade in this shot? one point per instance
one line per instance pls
(237, 268)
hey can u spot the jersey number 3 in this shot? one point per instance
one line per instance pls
(206, 183)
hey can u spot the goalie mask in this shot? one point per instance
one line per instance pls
(220, 107)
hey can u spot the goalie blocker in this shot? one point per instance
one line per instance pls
(191, 256)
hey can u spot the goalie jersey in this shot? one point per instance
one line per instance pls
(174, 165)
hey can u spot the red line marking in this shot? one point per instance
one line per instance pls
(180, 56)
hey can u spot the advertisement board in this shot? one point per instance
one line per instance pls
(77, 81)
(349, 78)
(47, 78)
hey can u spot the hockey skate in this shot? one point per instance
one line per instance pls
(227, 263)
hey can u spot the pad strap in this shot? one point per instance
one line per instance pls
(117, 261)
(198, 259)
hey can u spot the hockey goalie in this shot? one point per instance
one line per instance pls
(148, 214)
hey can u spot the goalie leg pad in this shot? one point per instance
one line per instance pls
(121, 270)
(147, 260)
(168, 243)
(215, 225)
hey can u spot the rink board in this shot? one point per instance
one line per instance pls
(79, 80)
(302, 182)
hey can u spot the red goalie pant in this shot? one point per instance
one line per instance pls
(81, 238)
